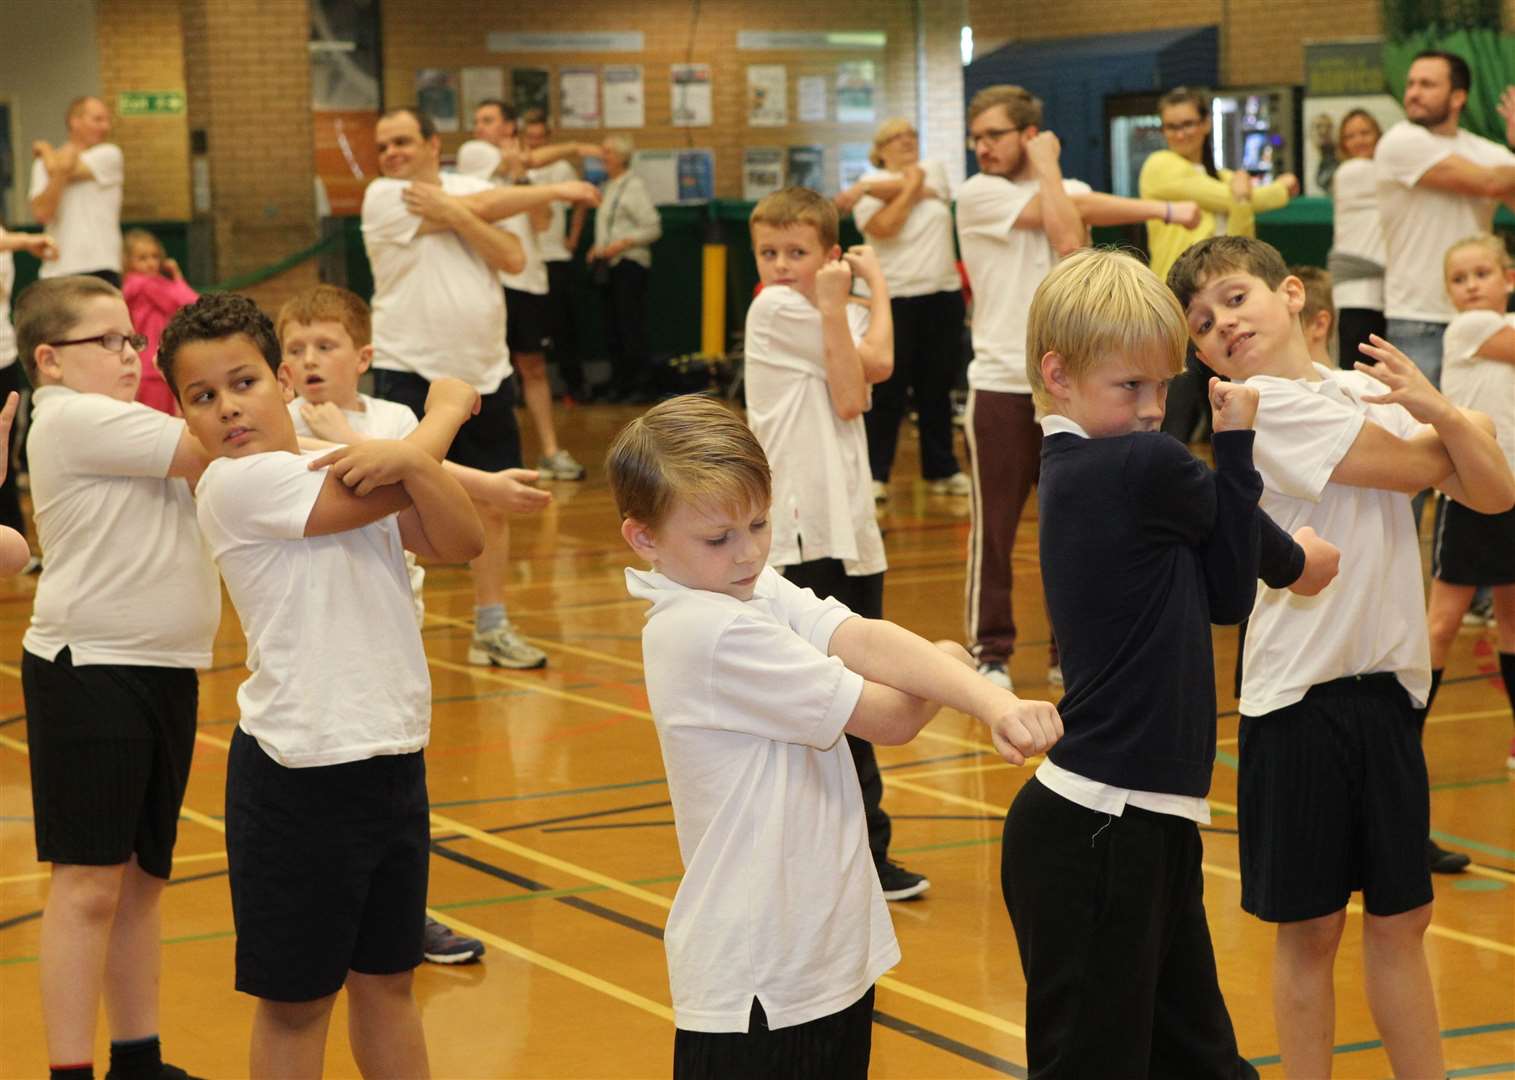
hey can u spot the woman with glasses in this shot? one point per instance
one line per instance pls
(1229, 202)
(1357, 249)
(902, 207)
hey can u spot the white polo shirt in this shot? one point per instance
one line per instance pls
(1005, 265)
(1372, 618)
(126, 576)
(480, 159)
(780, 900)
(7, 331)
(822, 487)
(437, 306)
(1475, 383)
(554, 240)
(1420, 223)
(919, 259)
(337, 670)
(87, 225)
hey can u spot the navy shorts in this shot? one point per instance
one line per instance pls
(1469, 548)
(490, 441)
(526, 322)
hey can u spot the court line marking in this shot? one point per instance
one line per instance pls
(13, 672)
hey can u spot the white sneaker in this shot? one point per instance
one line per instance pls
(560, 466)
(956, 484)
(996, 672)
(1055, 675)
(503, 647)
(880, 491)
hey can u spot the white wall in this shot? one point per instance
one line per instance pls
(51, 56)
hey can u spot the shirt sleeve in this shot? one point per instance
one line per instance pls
(1232, 553)
(991, 208)
(1169, 176)
(1407, 151)
(385, 217)
(809, 616)
(39, 179)
(1280, 559)
(1467, 333)
(936, 180)
(767, 680)
(478, 159)
(106, 164)
(94, 435)
(261, 497)
(1175, 491)
(157, 292)
(1302, 435)
(784, 330)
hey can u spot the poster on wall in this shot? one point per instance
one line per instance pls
(767, 95)
(762, 171)
(676, 176)
(625, 96)
(807, 167)
(481, 84)
(437, 96)
(531, 88)
(579, 97)
(1340, 76)
(696, 175)
(854, 92)
(811, 92)
(852, 162)
(690, 98)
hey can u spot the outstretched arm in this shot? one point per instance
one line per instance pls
(441, 212)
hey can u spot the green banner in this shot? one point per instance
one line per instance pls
(150, 103)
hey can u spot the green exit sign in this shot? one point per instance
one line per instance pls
(150, 103)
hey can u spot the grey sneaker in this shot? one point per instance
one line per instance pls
(503, 647)
(560, 466)
(956, 484)
(996, 672)
(440, 944)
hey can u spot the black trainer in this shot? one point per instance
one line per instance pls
(899, 883)
(1442, 861)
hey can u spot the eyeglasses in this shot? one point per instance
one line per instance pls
(993, 135)
(1182, 126)
(111, 342)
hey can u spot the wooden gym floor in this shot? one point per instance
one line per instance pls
(553, 839)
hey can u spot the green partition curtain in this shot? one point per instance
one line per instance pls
(1469, 28)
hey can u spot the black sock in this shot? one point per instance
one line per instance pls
(1507, 673)
(86, 1071)
(136, 1059)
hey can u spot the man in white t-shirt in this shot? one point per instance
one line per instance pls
(76, 193)
(438, 311)
(1436, 184)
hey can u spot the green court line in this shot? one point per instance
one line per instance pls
(1450, 1033)
(1226, 758)
(1496, 1069)
(1453, 785)
(1479, 885)
(1476, 845)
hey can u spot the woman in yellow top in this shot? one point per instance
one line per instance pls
(1229, 203)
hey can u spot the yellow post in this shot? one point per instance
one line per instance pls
(713, 315)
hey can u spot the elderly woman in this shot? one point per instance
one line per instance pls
(902, 207)
(625, 228)
(1357, 252)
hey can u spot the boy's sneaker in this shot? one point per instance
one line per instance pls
(956, 484)
(899, 883)
(441, 946)
(996, 672)
(503, 647)
(560, 466)
(1442, 861)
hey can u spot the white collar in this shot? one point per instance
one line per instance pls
(1058, 424)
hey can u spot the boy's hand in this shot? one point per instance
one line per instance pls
(7, 416)
(39, 244)
(1185, 213)
(511, 491)
(1044, 149)
(328, 422)
(1234, 405)
(1407, 384)
(864, 262)
(453, 394)
(1322, 561)
(1021, 729)
(833, 284)
(372, 464)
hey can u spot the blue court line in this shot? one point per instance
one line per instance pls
(1485, 1070)
(1374, 1044)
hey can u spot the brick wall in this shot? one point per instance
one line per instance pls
(414, 37)
(142, 48)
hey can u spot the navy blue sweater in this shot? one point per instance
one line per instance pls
(1142, 548)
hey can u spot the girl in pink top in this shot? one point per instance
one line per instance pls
(154, 289)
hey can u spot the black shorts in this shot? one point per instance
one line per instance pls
(328, 869)
(1469, 548)
(110, 748)
(836, 1047)
(1333, 797)
(490, 441)
(526, 316)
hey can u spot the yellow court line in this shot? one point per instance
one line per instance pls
(14, 744)
(492, 675)
(926, 997)
(13, 672)
(549, 644)
(202, 819)
(1490, 872)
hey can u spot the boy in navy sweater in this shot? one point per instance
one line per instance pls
(1142, 548)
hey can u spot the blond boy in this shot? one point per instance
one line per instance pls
(779, 929)
(1339, 451)
(1318, 317)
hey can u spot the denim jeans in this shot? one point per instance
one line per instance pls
(1421, 342)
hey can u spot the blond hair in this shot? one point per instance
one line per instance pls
(1022, 106)
(328, 303)
(49, 309)
(142, 236)
(1494, 245)
(798, 206)
(1098, 304)
(1317, 283)
(691, 449)
(887, 131)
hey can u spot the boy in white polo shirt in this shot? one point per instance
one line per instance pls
(779, 929)
(327, 832)
(1333, 794)
(812, 354)
(126, 610)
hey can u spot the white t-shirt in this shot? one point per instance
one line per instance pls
(7, 331)
(1420, 223)
(1372, 618)
(480, 159)
(780, 900)
(1005, 265)
(554, 240)
(87, 225)
(919, 259)
(1358, 230)
(437, 306)
(126, 576)
(1476, 383)
(338, 672)
(822, 487)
